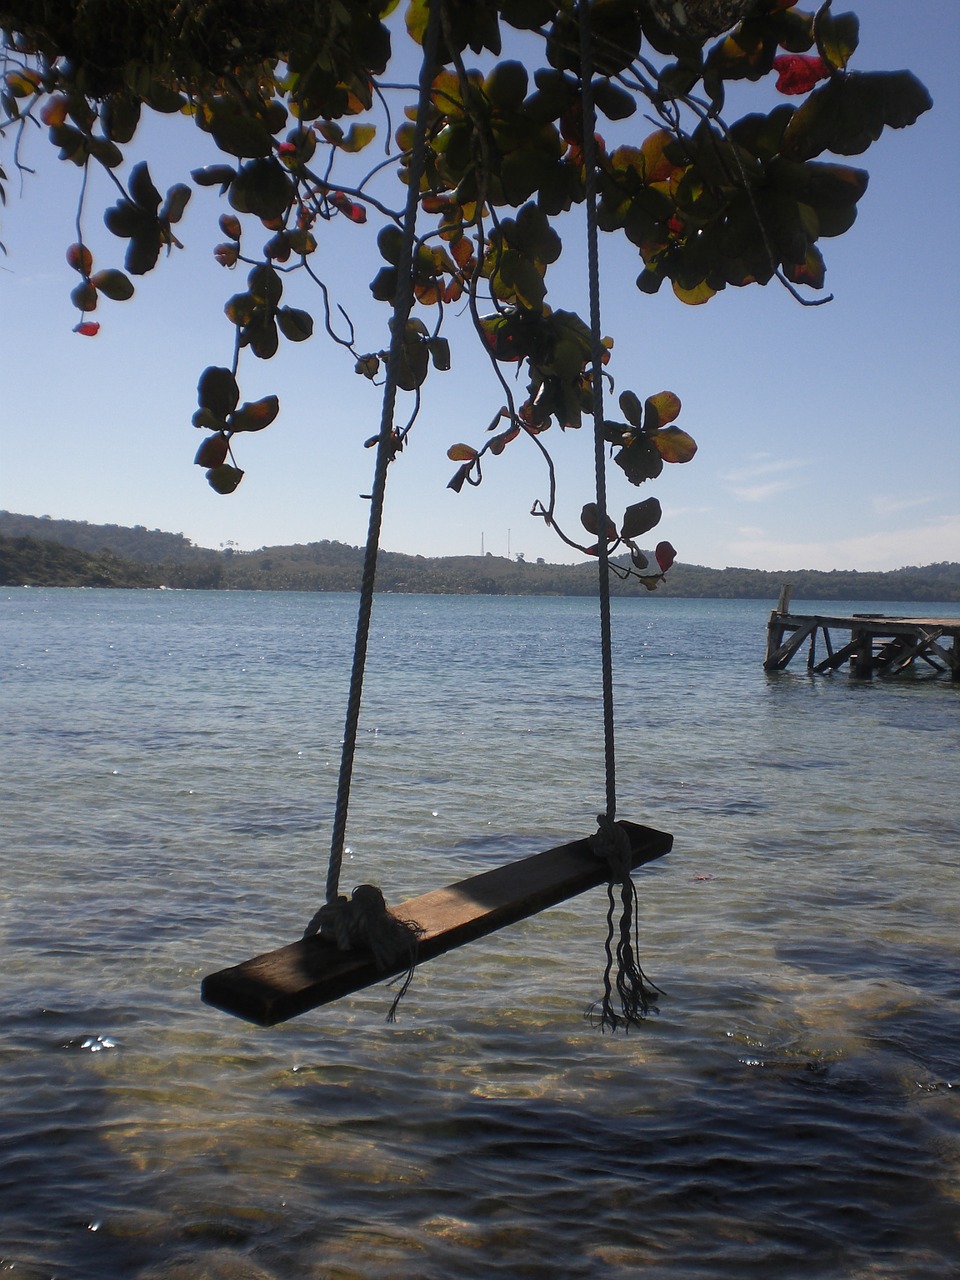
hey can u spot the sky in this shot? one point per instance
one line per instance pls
(828, 436)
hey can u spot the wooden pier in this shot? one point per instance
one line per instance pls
(871, 644)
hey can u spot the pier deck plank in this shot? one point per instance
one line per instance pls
(878, 644)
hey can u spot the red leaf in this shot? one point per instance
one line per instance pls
(355, 212)
(89, 328)
(665, 555)
(798, 73)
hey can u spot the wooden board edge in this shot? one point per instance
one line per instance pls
(288, 981)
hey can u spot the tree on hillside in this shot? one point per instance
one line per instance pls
(470, 186)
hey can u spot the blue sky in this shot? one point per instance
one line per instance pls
(828, 436)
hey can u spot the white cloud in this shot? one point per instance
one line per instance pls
(756, 482)
(761, 492)
(886, 506)
(937, 540)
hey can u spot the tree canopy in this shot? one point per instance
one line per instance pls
(633, 120)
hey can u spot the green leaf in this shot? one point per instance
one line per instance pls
(837, 37)
(660, 409)
(212, 451)
(256, 415)
(178, 197)
(383, 286)
(640, 518)
(263, 188)
(119, 116)
(141, 188)
(640, 460)
(107, 152)
(206, 419)
(295, 325)
(849, 112)
(217, 391)
(261, 335)
(124, 219)
(143, 250)
(22, 83)
(72, 143)
(84, 296)
(224, 479)
(265, 284)
(631, 408)
(614, 102)
(439, 353)
(234, 128)
(357, 137)
(506, 86)
(114, 285)
(674, 445)
(214, 175)
(590, 519)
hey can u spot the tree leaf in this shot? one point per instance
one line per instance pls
(590, 519)
(212, 451)
(837, 37)
(674, 445)
(439, 353)
(114, 285)
(640, 518)
(631, 408)
(234, 127)
(178, 197)
(357, 137)
(255, 415)
(849, 112)
(665, 555)
(143, 249)
(224, 479)
(262, 187)
(217, 391)
(84, 296)
(80, 258)
(295, 325)
(141, 188)
(214, 175)
(461, 453)
(640, 460)
(660, 409)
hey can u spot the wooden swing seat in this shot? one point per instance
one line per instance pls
(281, 984)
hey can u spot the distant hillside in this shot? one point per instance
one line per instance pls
(149, 546)
(32, 562)
(143, 557)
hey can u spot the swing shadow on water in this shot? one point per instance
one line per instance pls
(791, 1111)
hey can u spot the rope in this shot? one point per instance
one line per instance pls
(385, 447)
(599, 450)
(611, 842)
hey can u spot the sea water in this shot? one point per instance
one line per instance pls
(169, 767)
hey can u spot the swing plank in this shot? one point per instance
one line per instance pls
(282, 984)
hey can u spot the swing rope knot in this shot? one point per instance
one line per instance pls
(636, 993)
(363, 923)
(611, 843)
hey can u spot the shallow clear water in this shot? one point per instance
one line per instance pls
(169, 766)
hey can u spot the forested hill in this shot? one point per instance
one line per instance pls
(39, 551)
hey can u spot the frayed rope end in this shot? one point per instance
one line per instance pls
(635, 992)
